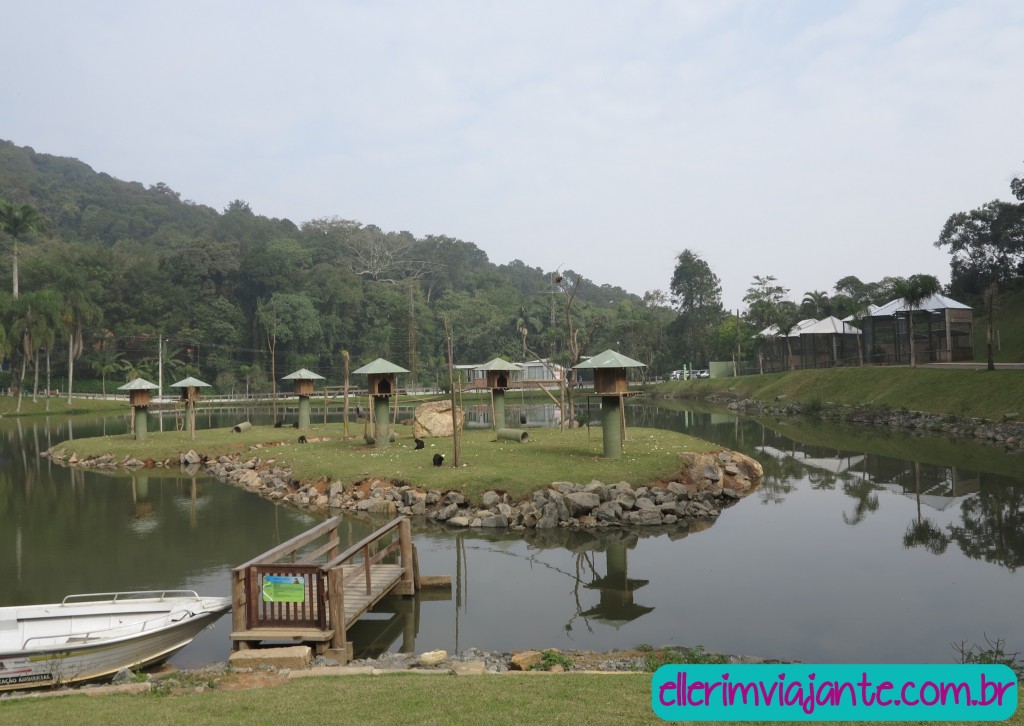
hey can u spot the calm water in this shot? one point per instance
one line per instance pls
(847, 553)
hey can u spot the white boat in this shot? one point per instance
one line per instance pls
(92, 636)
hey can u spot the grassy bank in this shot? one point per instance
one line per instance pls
(58, 406)
(970, 393)
(549, 455)
(391, 699)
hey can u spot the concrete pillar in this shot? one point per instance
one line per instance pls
(611, 426)
(141, 415)
(381, 421)
(303, 412)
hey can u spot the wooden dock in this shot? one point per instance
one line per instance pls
(304, 591)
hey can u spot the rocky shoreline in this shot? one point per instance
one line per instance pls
(1008, 433)
(706, 484)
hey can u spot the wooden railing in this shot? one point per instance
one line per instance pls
(314, 576)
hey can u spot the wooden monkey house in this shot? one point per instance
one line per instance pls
(499, 379)
(611, 384)
(139, 393)
(381, 384)
(189, 395)
(303, 380)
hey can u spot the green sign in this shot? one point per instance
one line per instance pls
(283, 588)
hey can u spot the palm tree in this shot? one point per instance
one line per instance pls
(815, 304)
(77, 311)
(48, 304)
(787, 316)
(107, 361)
(17, 220)
(914, 291)
(245, 371)
(32, 328)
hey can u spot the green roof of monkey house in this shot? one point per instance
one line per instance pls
(610, 359)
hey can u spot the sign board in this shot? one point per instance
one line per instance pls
(283, 588)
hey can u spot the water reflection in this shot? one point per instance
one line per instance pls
(851, 536)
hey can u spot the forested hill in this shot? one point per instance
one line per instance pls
(125, 263)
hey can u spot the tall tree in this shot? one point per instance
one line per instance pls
(697, 296)
(286, 318)
(915, 291)
(762, 298)
(17, 220)
(986, 246)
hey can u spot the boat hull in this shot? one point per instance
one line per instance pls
(65, 644)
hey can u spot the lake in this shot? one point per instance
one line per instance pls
(859, 546)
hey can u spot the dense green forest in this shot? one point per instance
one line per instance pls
(103, 272)
(109, 268)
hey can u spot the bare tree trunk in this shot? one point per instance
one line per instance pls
(451, 384)
(71, 364)
(48, 379)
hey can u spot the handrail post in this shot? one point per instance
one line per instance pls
(366, 566)
(408, 584)
(336, 611)
(239, 606)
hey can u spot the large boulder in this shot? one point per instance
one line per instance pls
(434, 420)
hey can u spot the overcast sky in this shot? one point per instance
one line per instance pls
(807, 139)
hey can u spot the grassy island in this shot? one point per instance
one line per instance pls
(486, 464)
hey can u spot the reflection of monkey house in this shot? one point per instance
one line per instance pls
(616, 606)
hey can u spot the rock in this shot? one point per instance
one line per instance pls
(644, 503)
(581, 502)
(432, 658)
(490, 499)
(549, 518)
(447, 512)
(596, 487)
(124, 675)
(434, 420)
(495, 520)
(460, 521)
(526, 660)
(375, 505)
(643, 517)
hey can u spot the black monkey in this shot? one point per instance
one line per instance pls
(419, 444)
(438, 459)
(302, 440)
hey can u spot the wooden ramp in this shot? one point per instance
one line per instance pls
(305, 592)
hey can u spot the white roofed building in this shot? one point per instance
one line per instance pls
(943, 332)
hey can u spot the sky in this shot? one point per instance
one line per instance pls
(803, 139)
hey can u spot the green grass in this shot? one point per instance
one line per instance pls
(392, 699)
(550, 455)
(972, 393)
(59, 407)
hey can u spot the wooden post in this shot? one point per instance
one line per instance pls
(336, 612)
(366, 567)
(238, 607)
(408, 584)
